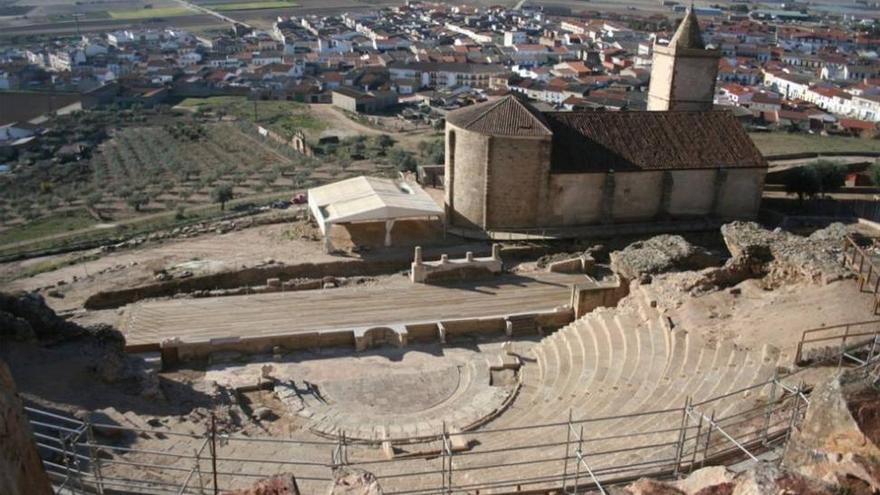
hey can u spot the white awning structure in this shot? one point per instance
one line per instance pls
(370, 199)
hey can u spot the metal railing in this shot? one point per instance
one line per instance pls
(862, 263)
(838, 342)
(663, 443)
(579, 455)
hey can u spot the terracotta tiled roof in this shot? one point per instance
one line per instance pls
(628, 141)
(505, 117)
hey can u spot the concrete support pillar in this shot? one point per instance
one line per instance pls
(441, 332)
(496, 251)
(417, 258)
(389, 224)
(328, 246)
(469, 256)
(444, 259)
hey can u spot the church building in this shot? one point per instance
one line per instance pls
(510, 167)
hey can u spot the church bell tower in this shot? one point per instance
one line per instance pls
(684, 71)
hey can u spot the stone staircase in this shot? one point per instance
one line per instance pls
(614, 362)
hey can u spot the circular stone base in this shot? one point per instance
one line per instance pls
(401, 405)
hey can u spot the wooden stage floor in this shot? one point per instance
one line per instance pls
(202, 319)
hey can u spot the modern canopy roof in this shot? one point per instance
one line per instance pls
(365, 199)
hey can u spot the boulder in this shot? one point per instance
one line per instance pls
(31, 308)
(21, 470)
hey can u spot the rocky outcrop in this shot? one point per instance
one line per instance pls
(26, 317)
(21, 471)
(816, 257)
(659, 254)
(837, 441)
(762, 479)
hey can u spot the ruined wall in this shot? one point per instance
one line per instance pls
(21, 470)
(518, 173)
(466, 161)
(248, 276)
(740, 193)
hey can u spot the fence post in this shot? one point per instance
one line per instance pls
(443, 458)
(794, 412)
(681, 436)
(565, 459)
(578, 452)
(696, 444)
(93, 455)
(842, 347)
(769, 411)
(708, 439)
(199, 468)
(214, 452)
(449, 462)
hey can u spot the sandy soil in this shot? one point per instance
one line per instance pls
(751, 315)
(200, 255)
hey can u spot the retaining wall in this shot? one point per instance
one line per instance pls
(175, 351)
(240, 278)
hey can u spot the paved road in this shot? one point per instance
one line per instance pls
(195, 320)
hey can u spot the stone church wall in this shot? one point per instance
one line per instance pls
(637, 196)
(692, 193)
(575, 199)
(740, 193)
(685, 81)
(518, 170)
(693, 82)
(466, 176)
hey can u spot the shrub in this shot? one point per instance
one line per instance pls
(831, 175)
(802, 181)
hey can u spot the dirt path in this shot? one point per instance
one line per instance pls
(337, 121)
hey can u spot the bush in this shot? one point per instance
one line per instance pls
(803, 181)
(822, 177)
(831, 175)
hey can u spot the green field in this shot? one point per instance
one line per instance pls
(779, 143)
(48, 226)
(281, 116)
(271, 4)
(148, 13)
